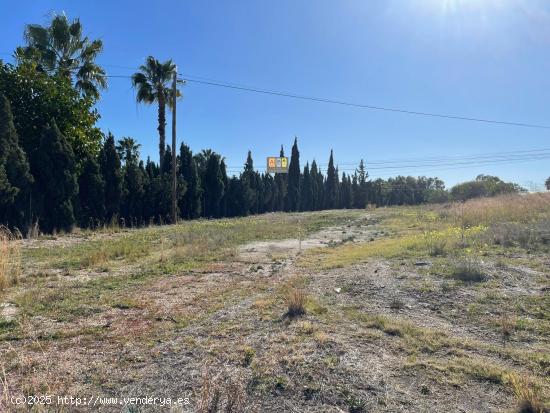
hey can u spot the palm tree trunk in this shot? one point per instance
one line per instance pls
(162, 128)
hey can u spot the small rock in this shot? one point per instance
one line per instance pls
(422, 263)
(338, 290)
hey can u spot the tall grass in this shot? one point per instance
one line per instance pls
(524, 208)
(10, 257)
(512, 220)
(296, 300)
(449, 230)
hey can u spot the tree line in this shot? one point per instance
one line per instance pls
(58, 169)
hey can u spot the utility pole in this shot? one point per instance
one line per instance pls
(174, 187)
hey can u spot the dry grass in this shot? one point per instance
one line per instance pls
(527, 395)
(526, 235)
(507, 327)
(321, 337)
(506, 208)
(223, 392)
(10, 258)
(361, 322)
(296, 303)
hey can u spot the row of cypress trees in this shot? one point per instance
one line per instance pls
(57, 191)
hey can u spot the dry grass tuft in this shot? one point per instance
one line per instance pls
(223, 392)
(296, 301)
(321, 337)
(526, 393)
(507, 327)
(307, 327)
(10, 257)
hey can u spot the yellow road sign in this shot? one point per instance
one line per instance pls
(277, 165)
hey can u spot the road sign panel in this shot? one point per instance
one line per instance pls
(277, 165)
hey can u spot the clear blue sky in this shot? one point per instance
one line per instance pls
(479, 58)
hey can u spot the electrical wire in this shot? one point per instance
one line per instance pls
(363, 106)
(226, 85)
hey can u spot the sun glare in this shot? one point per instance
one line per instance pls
(448, 7)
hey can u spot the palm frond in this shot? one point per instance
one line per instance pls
(59, 32)
(93, 73)
(139, 79)
(88, 88)
(37, 36)
(145, 94)
(75, 29)
(91, 49)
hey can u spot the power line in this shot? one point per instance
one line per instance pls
(440, 159)
(466, 162)
(364, 106)
(197, 80)
(438, 168)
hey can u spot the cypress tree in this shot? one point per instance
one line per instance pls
(281, 182)
(7, 194)
(213, 186)
(234, 198)
(306, 203)
(331, 185)
(57, 181)
(190, 206)
(355, 191)
(338, 189)
(15, 177)
(133, 182)
(270, 192)
(362, 190)
(248, 179)
(166, 163)
(152, 187)
(260, 192)
(225, 180)
(109, 163)
(91, 194)
(346, 197)
(317, 187)
(293, 193)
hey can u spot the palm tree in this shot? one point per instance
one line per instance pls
(60, 49)
(152, 84)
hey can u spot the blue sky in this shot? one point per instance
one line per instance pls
(478, 58)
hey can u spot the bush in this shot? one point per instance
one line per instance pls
(483, 186)
(468, 271)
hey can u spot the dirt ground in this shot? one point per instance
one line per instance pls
(382, 335)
